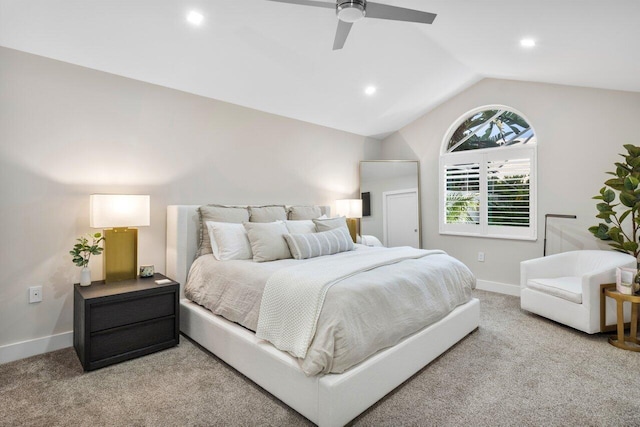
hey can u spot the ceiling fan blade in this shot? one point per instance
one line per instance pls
(308, 3)
(341, 34)
(383, 11)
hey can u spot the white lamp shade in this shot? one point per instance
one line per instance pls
(350, 208)
(118, 210)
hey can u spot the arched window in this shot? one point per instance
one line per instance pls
(488, 175)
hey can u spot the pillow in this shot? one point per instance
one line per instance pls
(217, 213)
(229, 241)
(267, 213)
(304, 212)
(300, 227)
(267, 240)
(303, 246)
(330, 224)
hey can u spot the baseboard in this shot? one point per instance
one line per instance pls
(501, 288)
(21, 350)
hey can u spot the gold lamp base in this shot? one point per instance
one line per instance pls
(352, 225)
(120, 254)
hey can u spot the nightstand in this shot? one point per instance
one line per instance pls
(118, 321)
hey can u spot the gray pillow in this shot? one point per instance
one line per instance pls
(300, 226)
(267, 213)
(217, 213)
(330, 223)
(310, 245)
(304, 212)
(267, 240)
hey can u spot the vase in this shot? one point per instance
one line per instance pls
(85, 276)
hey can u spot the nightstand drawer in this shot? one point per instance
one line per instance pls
(133, 310)
(129, 338)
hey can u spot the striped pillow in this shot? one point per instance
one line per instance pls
(310, 245)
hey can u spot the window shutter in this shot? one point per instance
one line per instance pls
(509, 192)
(462, 193)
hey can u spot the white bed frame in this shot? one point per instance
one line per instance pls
(327, 400)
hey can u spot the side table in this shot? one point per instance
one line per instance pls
(114, 322)
(630, 342)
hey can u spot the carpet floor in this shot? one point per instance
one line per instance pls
(517, 369)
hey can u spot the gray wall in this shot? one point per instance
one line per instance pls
(580, 133)
(67, 132)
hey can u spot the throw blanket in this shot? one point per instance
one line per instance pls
(293, 297)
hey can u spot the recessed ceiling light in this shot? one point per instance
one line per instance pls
(195, 17)
(370, 90)
(527, 42)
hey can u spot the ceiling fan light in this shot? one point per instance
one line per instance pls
(351, 11)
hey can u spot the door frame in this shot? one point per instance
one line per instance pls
(386, 194)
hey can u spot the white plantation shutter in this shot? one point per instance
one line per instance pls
(462, 186)
(508, 189)
(503, 182)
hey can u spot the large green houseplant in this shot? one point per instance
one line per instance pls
(619, 205)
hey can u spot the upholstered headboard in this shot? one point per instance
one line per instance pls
(182, 240)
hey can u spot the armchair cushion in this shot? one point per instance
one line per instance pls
(568, 288)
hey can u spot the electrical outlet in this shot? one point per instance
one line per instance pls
(481, 256)
(35, 294)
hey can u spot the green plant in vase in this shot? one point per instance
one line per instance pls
(619, 205)
(87, 245)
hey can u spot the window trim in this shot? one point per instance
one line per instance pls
(482, 156)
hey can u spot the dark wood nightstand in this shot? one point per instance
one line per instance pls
(119, 321)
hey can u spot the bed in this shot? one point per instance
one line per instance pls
(327, 400)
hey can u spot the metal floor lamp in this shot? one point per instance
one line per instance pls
(544, 252)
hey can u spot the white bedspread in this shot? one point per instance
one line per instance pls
(293, 297)
(361, 314)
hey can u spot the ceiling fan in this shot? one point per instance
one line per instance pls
(351, 11)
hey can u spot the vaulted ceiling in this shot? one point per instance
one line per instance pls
(278, 58)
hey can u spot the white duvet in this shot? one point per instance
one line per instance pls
(362, 314)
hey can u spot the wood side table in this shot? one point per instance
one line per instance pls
(114, 322)
(630, 342)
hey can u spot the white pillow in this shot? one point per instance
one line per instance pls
(302, 226)
(311, 245)
(267, 240)
(229, 241)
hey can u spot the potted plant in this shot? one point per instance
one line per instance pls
(619, 205)
(82, 252)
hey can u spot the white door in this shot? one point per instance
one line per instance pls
(400, 218)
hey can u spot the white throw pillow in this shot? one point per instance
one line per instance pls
(229, 241)
(312, 245)
(300, 226)
(267, 240)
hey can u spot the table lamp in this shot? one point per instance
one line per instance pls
(115, 213)
(352, 210)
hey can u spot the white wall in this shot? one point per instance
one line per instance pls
(67, 132)
(580, 133)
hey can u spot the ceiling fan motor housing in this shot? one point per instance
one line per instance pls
(351, 10)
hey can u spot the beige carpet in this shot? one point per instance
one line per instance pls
(517, 369)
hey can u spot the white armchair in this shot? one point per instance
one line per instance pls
(566, 287)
